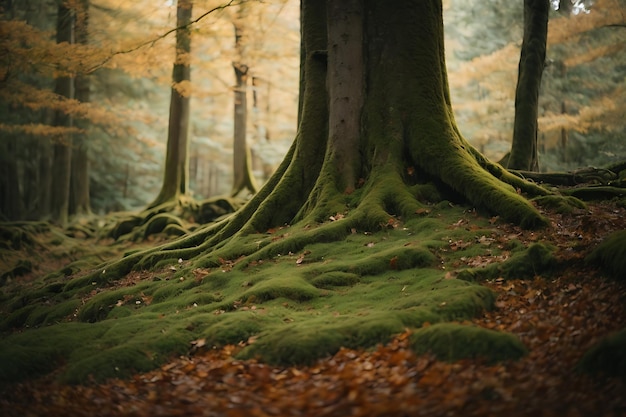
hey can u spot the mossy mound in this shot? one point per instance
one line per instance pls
(173, 218)
(610, 255)
(560, 204)
(451, 342)
(608, 357)
(524, 263)
(309, 295)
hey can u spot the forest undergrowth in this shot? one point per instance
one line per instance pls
(558, 315)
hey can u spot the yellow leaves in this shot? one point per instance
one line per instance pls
(564, 29)
(503, 60)
(600, 114)
(58, 133)
(184, 88)
(593, 54)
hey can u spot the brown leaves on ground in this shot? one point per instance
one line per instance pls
(557, 318)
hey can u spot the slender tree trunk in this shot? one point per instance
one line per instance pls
(44, 203)
(175, 181)
(242, 159)
(532, 61)
(563, 140)
(10, 198)
(79, 195)
(62, 149)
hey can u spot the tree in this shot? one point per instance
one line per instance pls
(175, 181)
(79, 191)
(404, 152)
(242, 172)
(62, 150)
(532, 61)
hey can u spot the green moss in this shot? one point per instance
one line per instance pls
(17, 319)
(38, 351)
(335, 279)
(98, 307)
(290, 287)
(231, 329)
(174, 230)
(608, 357)
(451, 342)
(117, 362)
(305, 342)
(610, 255)
(157, 223)
(560, 204)
(345, 285)
(125, 226)
(43, 314)
(536, 259)
(22, 267)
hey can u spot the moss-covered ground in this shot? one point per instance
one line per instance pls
(459, 286)
(295, 307)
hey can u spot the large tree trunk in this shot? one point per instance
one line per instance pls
(175, 181)
(62, 160)
(532, 61)
(407, 144)
(79, 193)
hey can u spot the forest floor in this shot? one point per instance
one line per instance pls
(557, 317)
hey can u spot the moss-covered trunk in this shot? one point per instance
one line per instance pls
(367, 160)
(408, 132)
(532, 60)
(175, 181)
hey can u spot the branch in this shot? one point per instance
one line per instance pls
(164, 35)
(572, 178)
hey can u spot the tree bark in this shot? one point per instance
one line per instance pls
(175, 180)
(62, 148)
(532, 61)
(345, 85)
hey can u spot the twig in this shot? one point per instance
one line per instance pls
(162, 36)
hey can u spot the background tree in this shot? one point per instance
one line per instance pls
(532, 60)
(482, 45)
(242, 169)
(79, 191)
(175, 181)
(62, 149)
